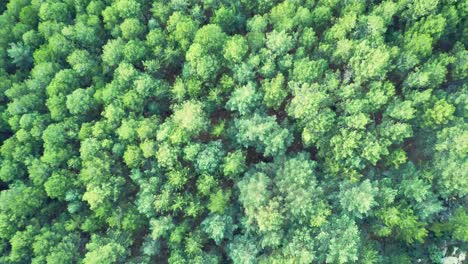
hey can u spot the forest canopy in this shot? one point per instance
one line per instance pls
(233, 131)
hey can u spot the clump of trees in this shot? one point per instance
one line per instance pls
(246, 131)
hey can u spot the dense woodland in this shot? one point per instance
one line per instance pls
(221, 131)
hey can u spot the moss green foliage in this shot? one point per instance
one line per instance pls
(233, 131)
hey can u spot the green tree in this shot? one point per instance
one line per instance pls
(263, 133)
(218, 227)
(341, 241)
(82, 62)
(235, 49)
(131, 28)
(58, 184)
(275, 92)
(20, 55)
(359, 199)
(204, 55)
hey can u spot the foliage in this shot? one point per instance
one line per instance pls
(244, 131)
